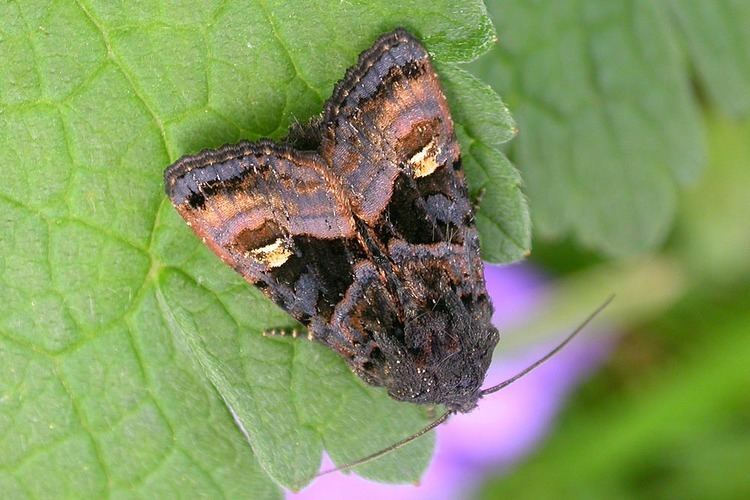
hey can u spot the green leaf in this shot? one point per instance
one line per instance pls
(483, 125)
(608, 125)
(131, 360)
(718, 42)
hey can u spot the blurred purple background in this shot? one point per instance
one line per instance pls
(507, 425)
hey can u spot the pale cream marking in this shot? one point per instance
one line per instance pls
(273, 255)
(425, 162)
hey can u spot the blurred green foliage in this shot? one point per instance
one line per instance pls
(669, 415)
(610, 125)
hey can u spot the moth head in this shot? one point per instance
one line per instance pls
(443, 358)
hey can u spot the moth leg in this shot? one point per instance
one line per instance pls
(288, 332)
(477, 200)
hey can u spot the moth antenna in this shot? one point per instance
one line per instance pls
(557, 348)
(442, 418)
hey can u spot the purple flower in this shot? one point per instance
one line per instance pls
(507, 425)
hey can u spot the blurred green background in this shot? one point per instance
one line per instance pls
(668, 416)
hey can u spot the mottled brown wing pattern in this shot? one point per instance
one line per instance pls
(271, 213)
(368, 238)
(386, 118)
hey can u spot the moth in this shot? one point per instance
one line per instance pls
(360, 225)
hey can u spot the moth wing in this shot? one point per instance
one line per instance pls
(389, 135)
(388, 117)
(274, 215)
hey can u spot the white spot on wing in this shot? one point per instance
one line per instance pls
(424, 162)
(273, 255)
